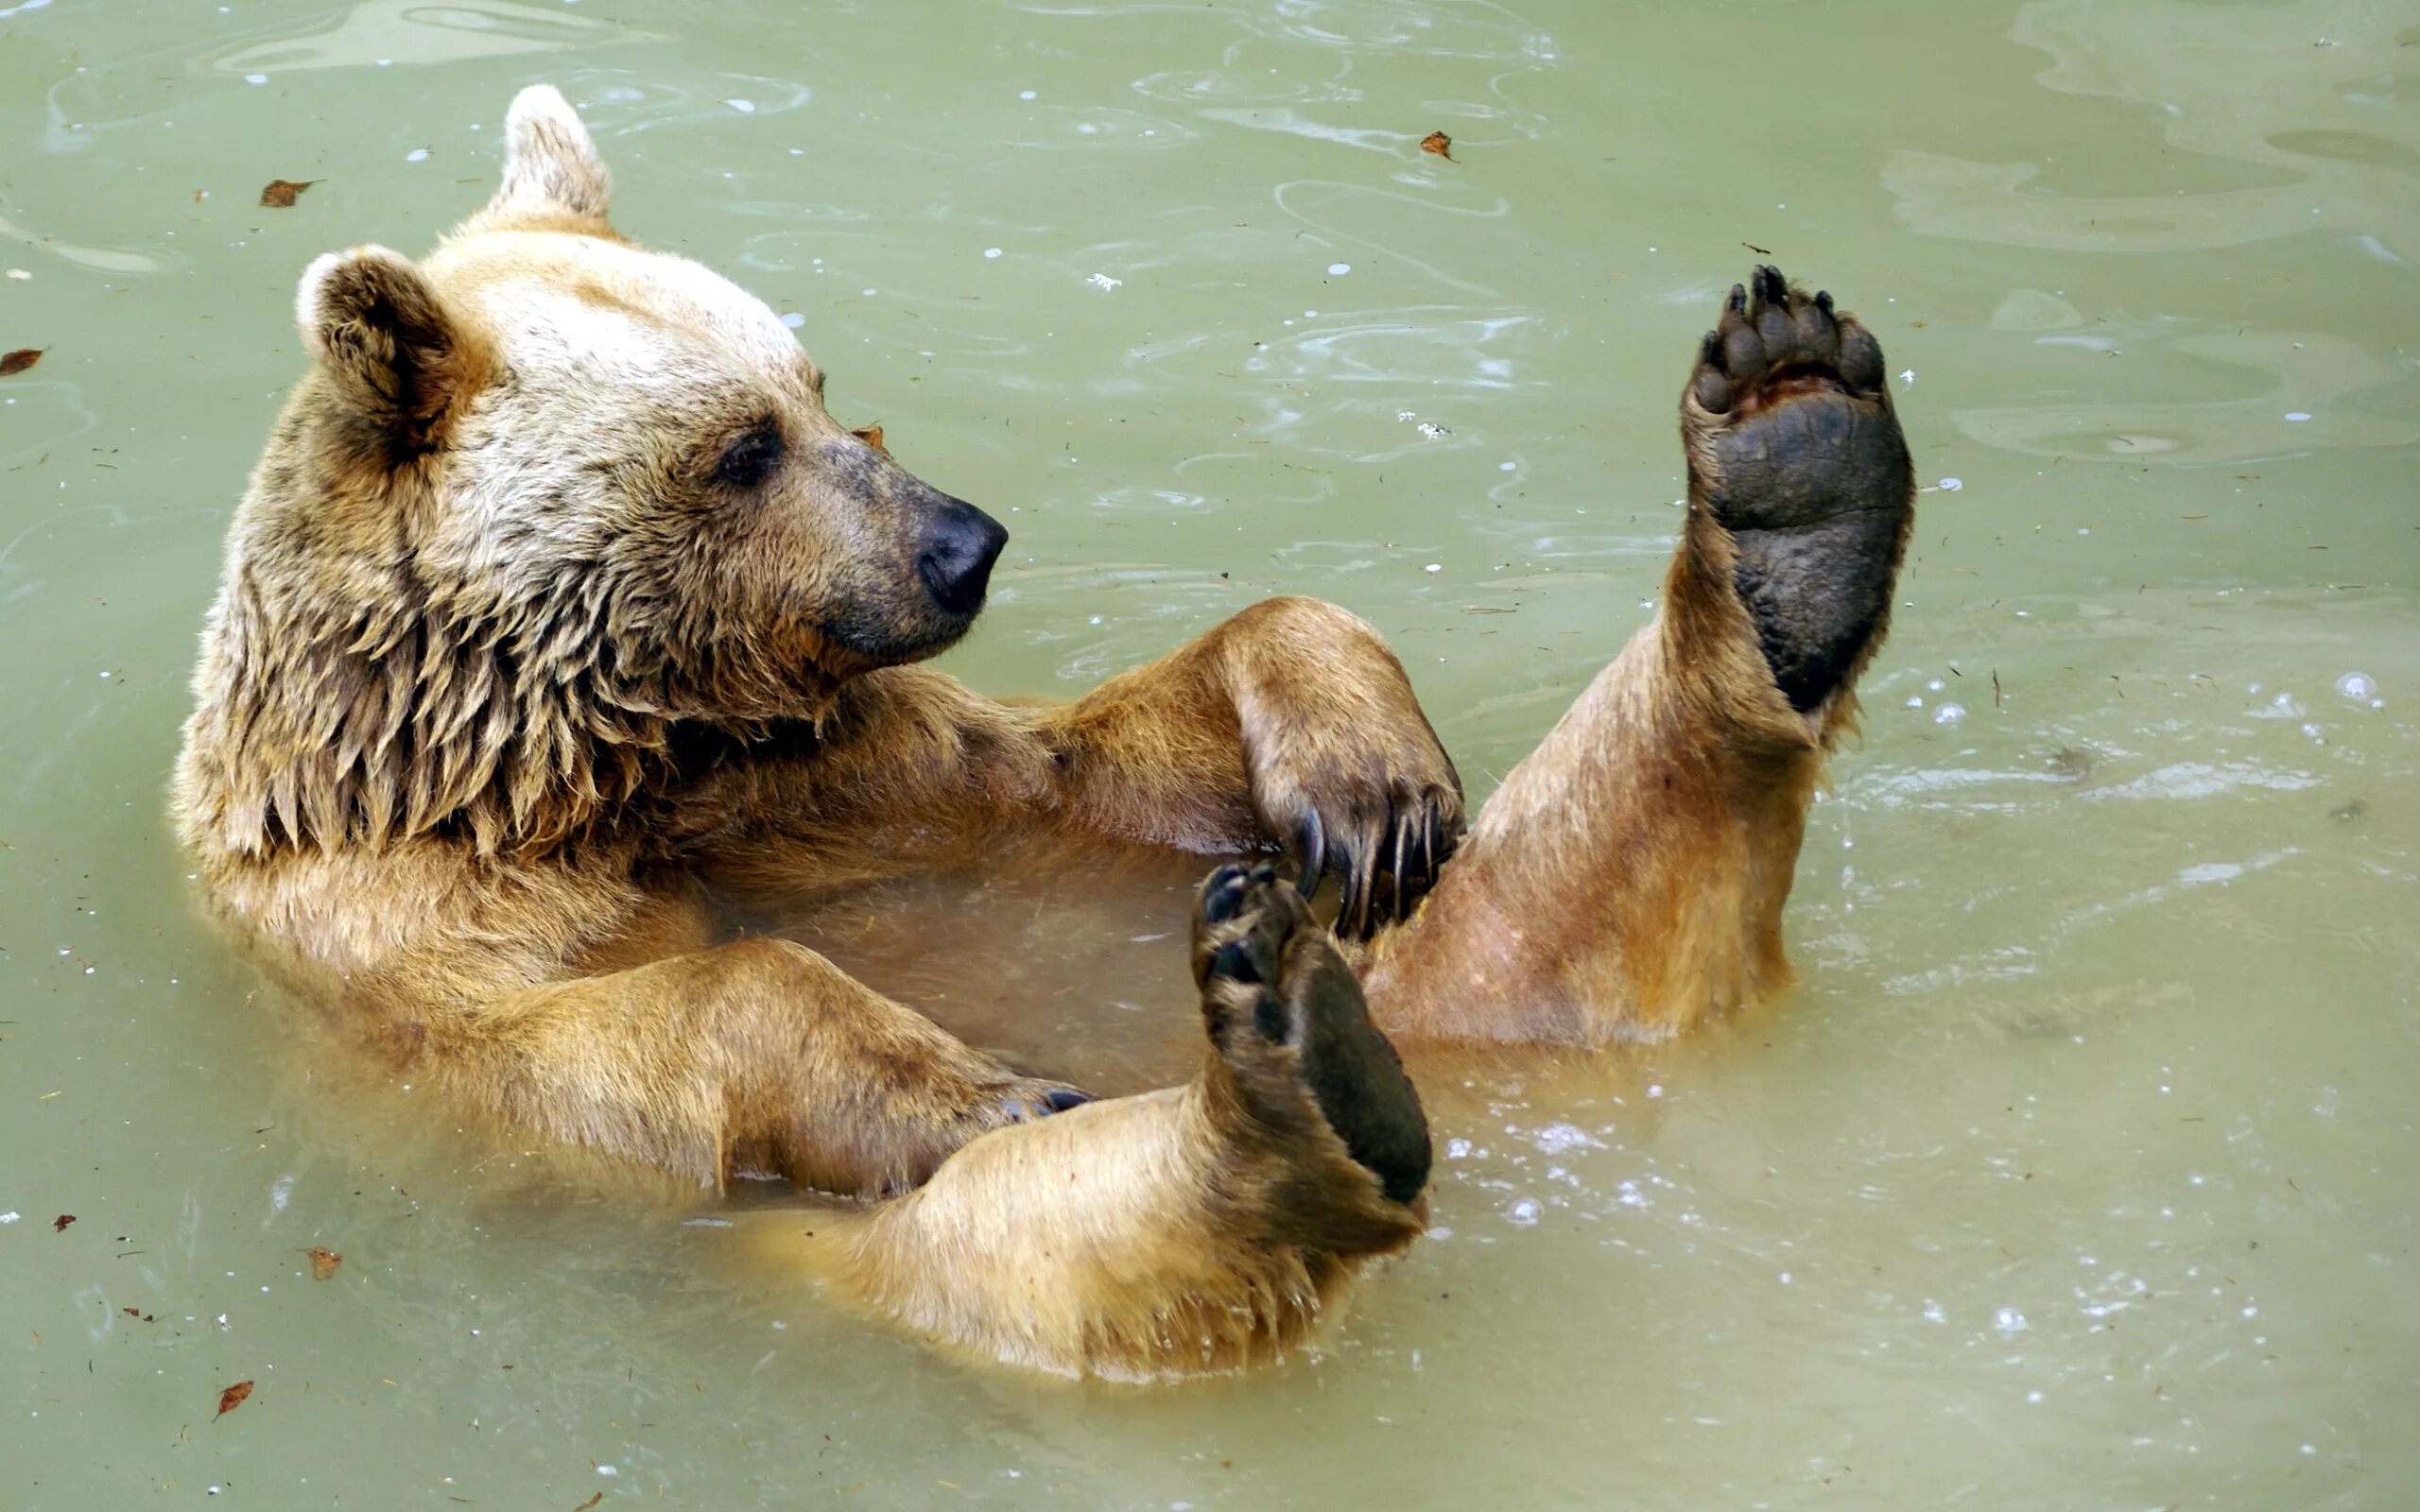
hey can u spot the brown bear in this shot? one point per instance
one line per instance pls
(560, 607)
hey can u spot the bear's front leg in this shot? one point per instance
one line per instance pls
(1290, 725)
(757, 1058)
(1630, 874)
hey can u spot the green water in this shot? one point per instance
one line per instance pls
(2079, 1174)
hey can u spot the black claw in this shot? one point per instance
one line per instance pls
(1823, 301)
(1312, 841)
(1770, 286)
(1738, 303)
(1222, 894)
(1403, 847)
(1060, 1099)
(1262, 874)
(1710, 353)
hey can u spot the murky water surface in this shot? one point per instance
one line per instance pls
(2079, 1174)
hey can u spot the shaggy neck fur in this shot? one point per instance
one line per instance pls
(347, 700)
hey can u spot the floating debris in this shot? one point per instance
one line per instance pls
(1104, 282)
(278, 193)
(1439, 143)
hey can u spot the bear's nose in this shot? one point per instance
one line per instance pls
(955, 564)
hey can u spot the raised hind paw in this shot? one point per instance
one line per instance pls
(1794, 448)
(1310, 1073)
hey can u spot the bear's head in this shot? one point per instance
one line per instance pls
(543, 498)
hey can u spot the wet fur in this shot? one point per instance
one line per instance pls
(502, 682)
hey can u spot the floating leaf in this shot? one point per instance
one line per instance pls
(233, 1398)
(871, 435)
(279, 192)
(323, 1262)
(59, 1225)
(19, 360)
(591, 1502)
(1439, 143)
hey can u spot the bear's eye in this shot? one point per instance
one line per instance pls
(750, 460)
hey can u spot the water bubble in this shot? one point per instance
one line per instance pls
(2357, 686)
(743, 107)
(2009, 1321)
(1948, 714)
(1525, 1211)
(793, 320)
(2298, 416)
(1952, 484)
(991, 252)
(1340, 269)
(255, 78)
(1025, 93)
(417, 155)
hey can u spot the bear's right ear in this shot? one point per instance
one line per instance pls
(399, 359)
(551, 169)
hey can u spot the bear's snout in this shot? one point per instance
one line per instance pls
(956, 557)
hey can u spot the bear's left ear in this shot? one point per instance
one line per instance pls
(400, 360)
(551, 169)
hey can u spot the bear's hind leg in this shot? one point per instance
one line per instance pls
(1793, 450)
(1201, 1228)
(1630, 874)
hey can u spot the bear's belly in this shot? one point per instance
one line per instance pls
(1070, 967)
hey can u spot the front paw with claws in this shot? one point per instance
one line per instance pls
(1347, 777)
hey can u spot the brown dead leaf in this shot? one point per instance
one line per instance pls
(1439, 143)
(871, 435)
(19, 360)
(323, 1262)
(59, 1225)
(233, 1398)
(279, 192)
(591, 1502)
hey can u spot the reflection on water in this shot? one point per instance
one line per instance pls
(2306, 90)
(2078, 1172)
(384, 33)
